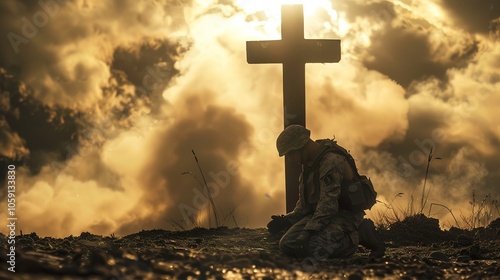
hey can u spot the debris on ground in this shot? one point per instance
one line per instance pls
(416, 249)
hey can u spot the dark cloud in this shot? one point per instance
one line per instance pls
(424, 132)
(37, 130)
(12, 146)
(406, 55)
(402, 55)
(150, 68)
(145, 64)
(463, 165)
(474, 16)
(62, 50)
(47, 114)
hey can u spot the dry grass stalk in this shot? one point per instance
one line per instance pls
(214, 209)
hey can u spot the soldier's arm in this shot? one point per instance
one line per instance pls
(300, 210)
(331, 175)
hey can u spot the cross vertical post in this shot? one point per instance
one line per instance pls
(293, 51)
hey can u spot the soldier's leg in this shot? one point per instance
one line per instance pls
(371, 239)
(336, 240)
(287, 242)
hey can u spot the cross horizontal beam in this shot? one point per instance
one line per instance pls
(305, 51)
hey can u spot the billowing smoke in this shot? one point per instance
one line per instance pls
(102, 104)
(175, 188)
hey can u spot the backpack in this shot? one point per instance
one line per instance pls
(356, 196)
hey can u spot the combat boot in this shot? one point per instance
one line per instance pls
(371, 239)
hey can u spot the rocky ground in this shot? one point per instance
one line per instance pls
(416, 249)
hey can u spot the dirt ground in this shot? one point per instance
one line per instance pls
(416, 249)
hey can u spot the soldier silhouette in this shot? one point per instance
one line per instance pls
(321, 225)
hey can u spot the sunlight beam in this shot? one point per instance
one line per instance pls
(272, 11)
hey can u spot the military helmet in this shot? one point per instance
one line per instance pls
(293, 137)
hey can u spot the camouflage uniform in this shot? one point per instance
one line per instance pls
(335, 231)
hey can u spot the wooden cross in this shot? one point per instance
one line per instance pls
(293, 51)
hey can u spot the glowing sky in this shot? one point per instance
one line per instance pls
(101, 103)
